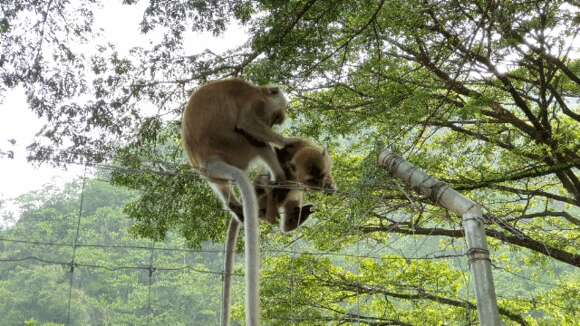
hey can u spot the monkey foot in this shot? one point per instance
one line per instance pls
(239, 211)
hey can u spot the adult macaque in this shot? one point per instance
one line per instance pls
(230, 121)
(226, 125)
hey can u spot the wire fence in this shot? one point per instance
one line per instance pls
(157, 283)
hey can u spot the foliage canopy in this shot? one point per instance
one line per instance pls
(480, 94)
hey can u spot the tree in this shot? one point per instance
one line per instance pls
(111, 280)
(480, 94)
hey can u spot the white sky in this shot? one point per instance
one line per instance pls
(121, 27)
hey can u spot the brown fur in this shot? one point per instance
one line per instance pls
(302, 162)
(230, 121)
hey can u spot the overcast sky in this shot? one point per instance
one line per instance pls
(121, 27)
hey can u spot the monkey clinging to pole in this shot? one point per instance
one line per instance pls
(226, 125)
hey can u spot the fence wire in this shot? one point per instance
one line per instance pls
(158, 268)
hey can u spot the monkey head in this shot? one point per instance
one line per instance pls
(274, 98)
(311, 166)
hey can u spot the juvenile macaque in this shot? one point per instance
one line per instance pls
(305, 165)
(230, 121)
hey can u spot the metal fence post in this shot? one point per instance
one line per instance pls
(252, 246)
(478, 253)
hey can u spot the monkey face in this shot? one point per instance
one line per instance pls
(312, 167)
(277, 103)
(278, 118)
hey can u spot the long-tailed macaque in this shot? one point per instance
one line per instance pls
(307, 165)
(226, 125)
(230, 121)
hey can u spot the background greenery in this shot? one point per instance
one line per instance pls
(480, 94)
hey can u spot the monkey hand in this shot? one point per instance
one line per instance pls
(292, 140)
(305, 212)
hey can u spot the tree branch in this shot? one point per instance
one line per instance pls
(532, 172)
(563, 104)
(567, 216)
(458, 44)
(504, 145)
(498, 111)
(350, 38)
(526, 242)
(509, 33)
(420, 294)
(538, 192)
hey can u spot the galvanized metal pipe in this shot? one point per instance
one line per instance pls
(222, 170)
(478, 253)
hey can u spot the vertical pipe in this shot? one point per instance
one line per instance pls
(443, 195)
(480, 266)
(220, 169)
(252, 250)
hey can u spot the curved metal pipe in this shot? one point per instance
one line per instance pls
(443, 195)
(220, 169)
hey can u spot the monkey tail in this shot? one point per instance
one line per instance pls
(230, 256)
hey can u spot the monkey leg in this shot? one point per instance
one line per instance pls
(267, 206)
(232, 235)
(225, 192)
(295, 215)
(262, 196)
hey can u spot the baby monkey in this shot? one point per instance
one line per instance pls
(304, 163)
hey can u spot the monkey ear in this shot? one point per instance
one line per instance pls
(273, 90)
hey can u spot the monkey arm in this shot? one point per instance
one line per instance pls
(268, 206)
(272, 206)
(251, 124)
(269, 157)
